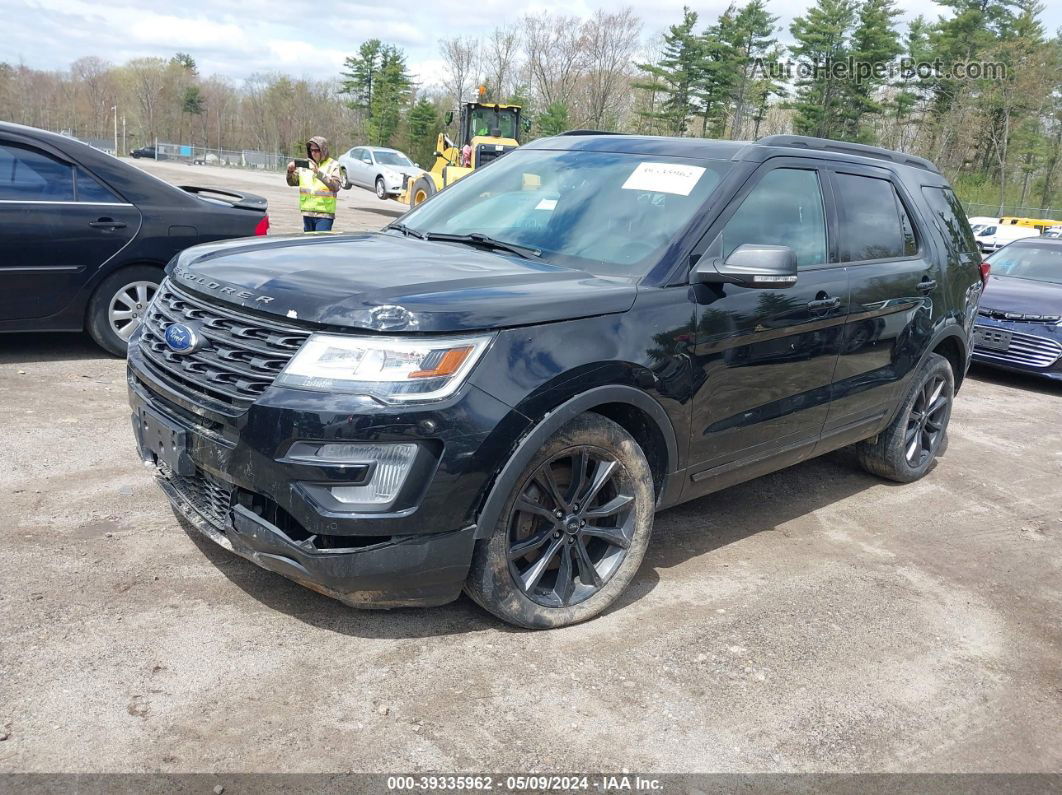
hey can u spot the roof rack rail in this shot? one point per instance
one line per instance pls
(846, 148)
(590, 132)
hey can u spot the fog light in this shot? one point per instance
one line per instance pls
(391, 462)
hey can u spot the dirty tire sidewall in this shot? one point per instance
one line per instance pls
(886, 455)
(490, 583)
(424, 186)
(97, 322)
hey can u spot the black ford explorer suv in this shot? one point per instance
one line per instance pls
(497, 392)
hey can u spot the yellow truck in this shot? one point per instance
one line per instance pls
(487, 129)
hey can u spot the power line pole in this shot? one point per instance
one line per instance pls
(114, 108)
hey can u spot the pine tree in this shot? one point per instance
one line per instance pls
(676, 74)
(875, 41)
(554, 120)
(753, 41)
(821, 41)
(360, 73)
(423, 130)
(391, 93)
(717, 75)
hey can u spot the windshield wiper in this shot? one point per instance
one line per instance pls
(478, 239)
(405, 230)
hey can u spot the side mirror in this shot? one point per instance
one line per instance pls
(448, 118)
(750, 265)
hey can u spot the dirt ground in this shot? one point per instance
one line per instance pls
(816, 619)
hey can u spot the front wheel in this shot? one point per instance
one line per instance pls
(906, 449)
(381, 189)
(573, 531)
(345, 180)
(118, 306)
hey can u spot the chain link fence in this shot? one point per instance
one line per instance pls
(1012, 210)
(229, 158)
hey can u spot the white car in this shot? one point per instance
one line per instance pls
(381, 170)
(979, 222)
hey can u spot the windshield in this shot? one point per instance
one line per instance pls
(391, 158)
(608, 213)
(489, 121)
(1040, 263)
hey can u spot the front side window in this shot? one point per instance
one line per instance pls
(391, 158)
(609, 213)
(874, 223)
(29, 175)
(784, 209)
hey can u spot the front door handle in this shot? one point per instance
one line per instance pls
(927, 284)
(821, 304)
(106, 223)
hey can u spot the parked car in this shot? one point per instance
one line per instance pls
(1053, 232)
(84, 237)
(994, 236)
(148, 152)
(381, 170)
(497, 392)
(1019, 321)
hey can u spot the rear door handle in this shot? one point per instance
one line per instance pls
(824, 303)
(107, 223)
(927, 284)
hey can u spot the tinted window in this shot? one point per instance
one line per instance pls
(951, 220)
(784, 209)
(391, 158)
(29, 175)
(89, 190)
(874, 223)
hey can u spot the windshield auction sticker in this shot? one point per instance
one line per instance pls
(664, 178)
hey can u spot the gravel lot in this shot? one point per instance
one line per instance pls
(817, 619)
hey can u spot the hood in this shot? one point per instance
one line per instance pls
(384, 282)
(322, 144)
(1008, 294)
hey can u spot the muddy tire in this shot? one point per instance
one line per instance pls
(118, 305)
(572, 532)
(906, 450)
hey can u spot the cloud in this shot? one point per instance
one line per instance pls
(238, 40)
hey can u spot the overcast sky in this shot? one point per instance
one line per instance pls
(237, 39)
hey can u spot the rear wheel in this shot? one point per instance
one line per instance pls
(381, 188)
(423, 189)
(573, 531)
(118, 306)
(905, 450)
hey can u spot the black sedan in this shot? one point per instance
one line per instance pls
(1019, 324)
(84, 237)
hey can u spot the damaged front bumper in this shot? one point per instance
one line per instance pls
(423, 570)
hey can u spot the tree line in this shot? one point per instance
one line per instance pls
(997, 133)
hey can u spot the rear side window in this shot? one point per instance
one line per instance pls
(875, 224)
(951, 220)
(784, 209)
(89, 190)
(29, 175)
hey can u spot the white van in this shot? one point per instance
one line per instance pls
(996, 235)
(979, 222)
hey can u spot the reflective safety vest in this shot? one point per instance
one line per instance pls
(314, 195)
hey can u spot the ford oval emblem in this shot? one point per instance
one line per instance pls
(182, 338)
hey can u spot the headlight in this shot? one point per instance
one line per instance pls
(388, 368)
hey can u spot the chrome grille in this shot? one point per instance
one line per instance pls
(242, 355)
(210, 497)
(1018, 317)
(1024, 349)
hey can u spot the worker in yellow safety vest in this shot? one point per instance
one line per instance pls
(318, 186)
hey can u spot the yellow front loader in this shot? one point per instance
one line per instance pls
(488, 129)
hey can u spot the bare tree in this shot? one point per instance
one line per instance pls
(502, 48)
(461, 55)
(148, 77)
(609, 42)
(555, 57)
